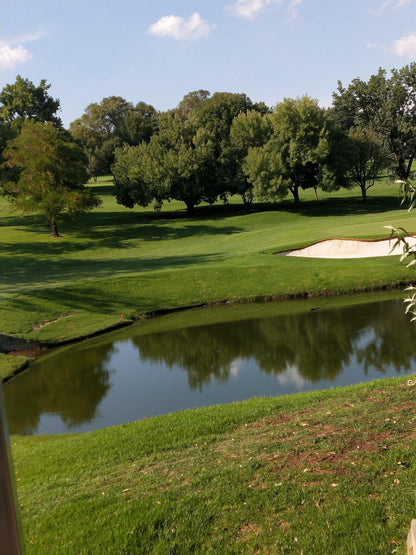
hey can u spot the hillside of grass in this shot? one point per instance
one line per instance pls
(114, 264)
(319, 472)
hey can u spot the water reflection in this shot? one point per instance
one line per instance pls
(319, 344)
(148, 374)
(71, 387)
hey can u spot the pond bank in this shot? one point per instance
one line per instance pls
(212, 355)
(16, 353)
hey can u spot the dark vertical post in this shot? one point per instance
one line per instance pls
(10, 532)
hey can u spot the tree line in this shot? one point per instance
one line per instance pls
(208, 147)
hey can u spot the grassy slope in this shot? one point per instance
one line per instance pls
(11, 364)
(115, 264)
(322, 472)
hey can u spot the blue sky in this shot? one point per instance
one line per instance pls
(159, 50)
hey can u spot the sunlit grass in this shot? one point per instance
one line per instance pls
(321, 472)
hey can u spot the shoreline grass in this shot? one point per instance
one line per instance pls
(319, 472)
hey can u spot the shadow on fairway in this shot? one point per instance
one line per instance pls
(23, 270)
(107, 234)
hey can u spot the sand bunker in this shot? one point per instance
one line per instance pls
(350, 248)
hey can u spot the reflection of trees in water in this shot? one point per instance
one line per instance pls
(71, 386)
(319, 344)
(394, 344)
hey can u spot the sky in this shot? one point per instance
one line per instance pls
(157, 51)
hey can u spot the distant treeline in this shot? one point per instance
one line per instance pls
(213, 146)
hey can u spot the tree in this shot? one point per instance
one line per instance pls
(191, 101)
(177, 163)
(388, 107)
(23, 101)
(216, 115)
(104, 127)
(302, 152)
(248, 130)
(367, 158)
(139, 175)
(51, 173)
(139, 124)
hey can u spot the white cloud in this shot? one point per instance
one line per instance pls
(181, 29)
(24, 39)
(406, 46)
(293, 9)
(10, 56)
(248, 9)
(13, 52)
(392, 4)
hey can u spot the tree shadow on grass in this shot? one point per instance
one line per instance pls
(24, 271)
(109, 230)
(345, 207)
(87, 298)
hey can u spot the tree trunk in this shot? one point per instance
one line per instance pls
(247, 198)
(364, 193)
(54, 228)
(295, 192)
(316, 193)
(190, 205)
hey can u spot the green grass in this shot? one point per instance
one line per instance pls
(321, 472)
(11, 364)
(115, 264)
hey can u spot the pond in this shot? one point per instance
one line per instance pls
(208, 356)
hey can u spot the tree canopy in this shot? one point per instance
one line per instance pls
(23, 101)
(299, 154)
(177, 163)
(109, 124)
(51, 173)
(387, 105)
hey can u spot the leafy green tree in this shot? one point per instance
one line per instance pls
(139, 124)
(19, 102)
(23, 101)
(386, 105)
(51, 173)
(367, 158)
(190, 159)
(104, 127)
(140, 176)
(248, 130)
(216, 115)
(177, 164)
(191, 101)
(302, 152)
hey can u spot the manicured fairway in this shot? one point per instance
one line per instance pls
(114, 264)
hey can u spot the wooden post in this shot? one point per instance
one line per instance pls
(411, 539)
(10, 531)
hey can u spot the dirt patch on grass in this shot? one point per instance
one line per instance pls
(247, 531)
(37, 327)
(331, 438)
